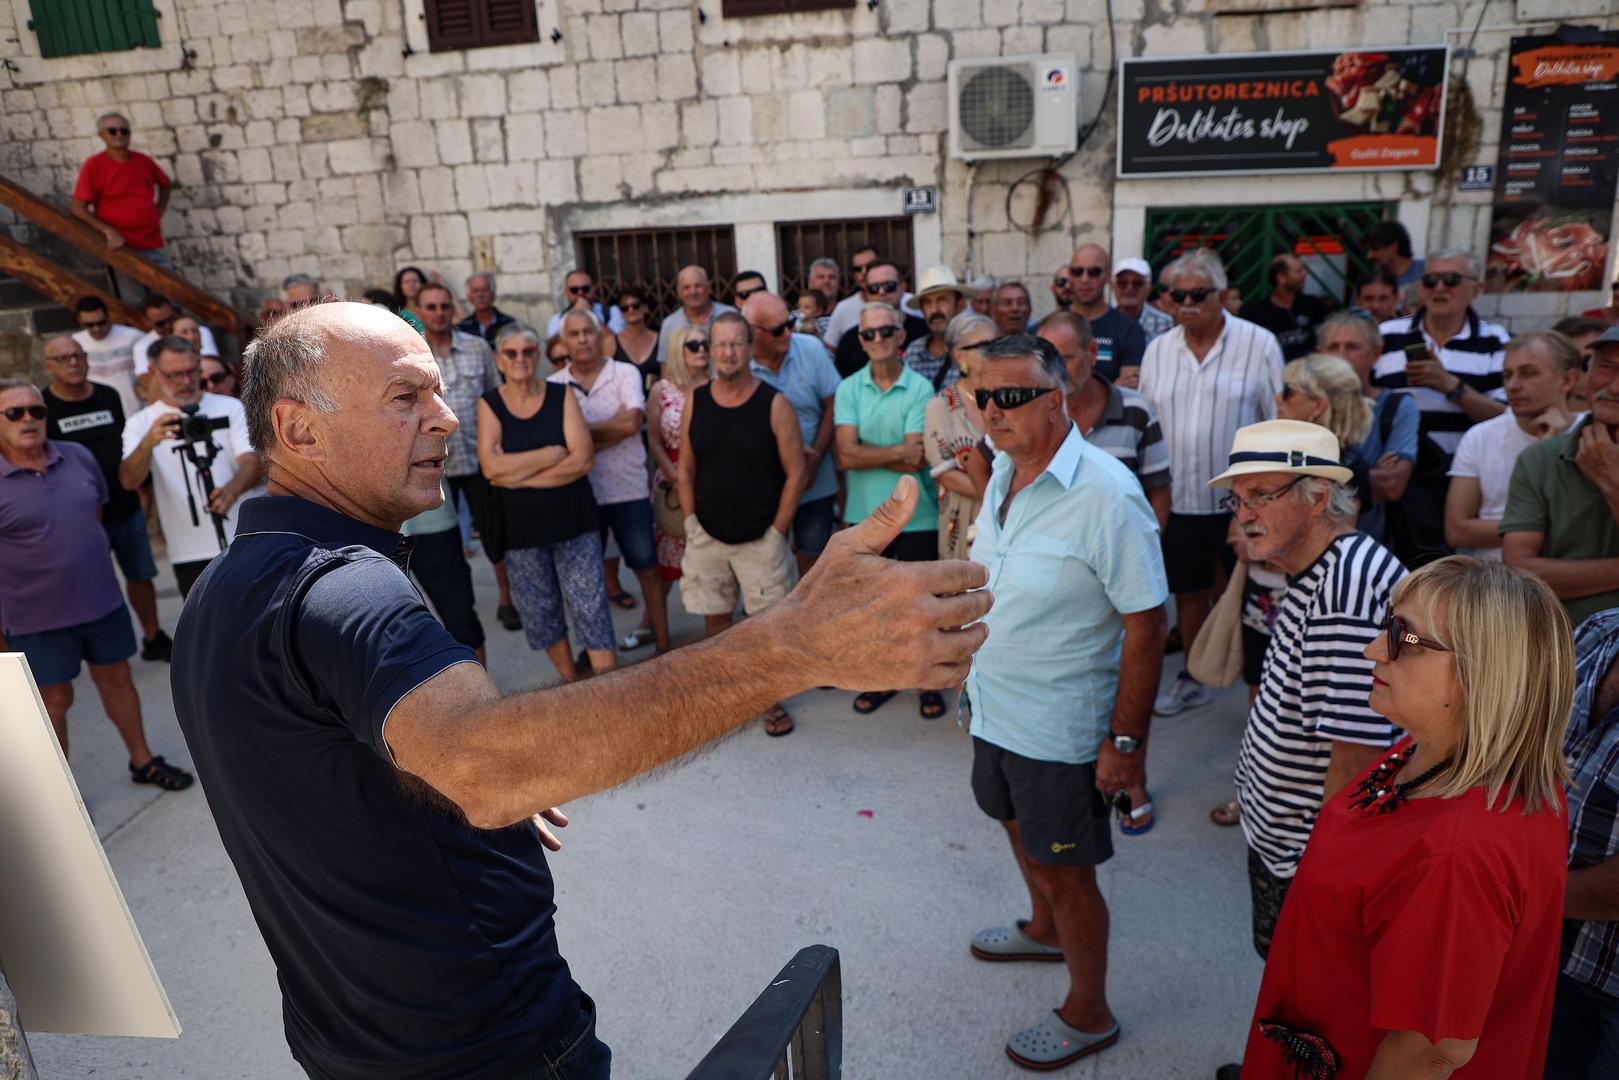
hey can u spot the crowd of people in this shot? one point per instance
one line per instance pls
(1395, 522)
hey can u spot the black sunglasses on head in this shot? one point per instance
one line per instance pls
(1010, 397)
(17, 412)
(1400, 635)
(884, 332)
(1197, 296)
(1451, 278)
(1087, 271)
(882, 286)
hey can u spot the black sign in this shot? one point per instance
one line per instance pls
(921, 200)
(1559, 164)
(1326, 111)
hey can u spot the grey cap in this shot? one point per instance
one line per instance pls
(1610, 336)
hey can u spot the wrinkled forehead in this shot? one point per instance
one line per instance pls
(20, 395)
(1445, 266)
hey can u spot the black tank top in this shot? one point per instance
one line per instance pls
(739, 473)
(649, 368)
(540, 517)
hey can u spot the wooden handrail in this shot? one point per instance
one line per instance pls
(69, 228)
(65, 287)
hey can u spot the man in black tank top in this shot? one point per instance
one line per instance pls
(742, 469)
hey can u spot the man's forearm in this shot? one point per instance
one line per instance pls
(1348, 759)
(787, 506)
(81, 210)
(823, 434)
(1140, 665)
(134, 469)
(1572, 579)
(613, 431)
(1473, 532)
(868, 456)
(247, 473)
(1593, 892)
(1480, 406)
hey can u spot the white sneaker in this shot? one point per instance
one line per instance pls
(1184, 693)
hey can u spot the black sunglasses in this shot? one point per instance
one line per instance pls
(96, 324)
(696, 346)
(17, 412)
(218, 379)
(882, 286)
(884, 332)
(116, 131)
(580, 290)
(1197, 296)
(630, 305)
(1087, 271)
(1010, 397)
(743, 294)
(862, 267)
(1451, 278)
(774, 331)
(1400, 635)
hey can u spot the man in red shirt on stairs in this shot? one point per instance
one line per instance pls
(114, 195)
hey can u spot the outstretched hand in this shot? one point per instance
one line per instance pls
(863, 621)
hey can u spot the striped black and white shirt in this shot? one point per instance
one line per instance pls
(1313, 691)
(1128, 429)
(1201, 404)
(1476, 356)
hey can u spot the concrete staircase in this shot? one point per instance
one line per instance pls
(26, 316)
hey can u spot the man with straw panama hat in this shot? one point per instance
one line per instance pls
(939, 297)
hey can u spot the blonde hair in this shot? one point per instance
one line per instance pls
(1514, 656)
(675, 369)
(1333, 380)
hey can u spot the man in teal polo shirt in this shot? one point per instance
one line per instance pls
(1562, 517)
(1062, 691)
(877, 413)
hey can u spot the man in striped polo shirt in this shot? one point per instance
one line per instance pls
(1207, 377)
(1311, 728)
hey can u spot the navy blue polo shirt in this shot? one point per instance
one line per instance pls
(406, 942)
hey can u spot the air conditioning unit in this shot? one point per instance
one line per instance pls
(1014, 107)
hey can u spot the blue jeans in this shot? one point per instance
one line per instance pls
(1584, 1043)
(813, 525)
(583, 1057)
(631, 525)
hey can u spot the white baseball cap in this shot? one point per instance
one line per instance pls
(1133, 266)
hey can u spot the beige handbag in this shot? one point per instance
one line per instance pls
(1215, 658)
(666, 512)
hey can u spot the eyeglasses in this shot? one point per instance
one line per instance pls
(183, 375)
(696, 346)
(115, 131)
(217, 379)
(163, 322)
(631, 305)
(861, 268)
(1129, 281)
(75, 357)
(1010, 397)
(1451, 278)
(882, 286)
(1400, 636)
(1258, 502)
(579, 290)
(1060, 282)
(1197, 296)
(438, 307)
(1087, 271)
(95, 324)
(17, 412)
(743, 294)
(773, 331)
(884, 332)
(529, 353)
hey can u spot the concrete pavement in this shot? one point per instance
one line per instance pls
(681, 895)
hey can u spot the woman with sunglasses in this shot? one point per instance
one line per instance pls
(637, 343)
(1325, 390)
(688, 368)
(1421, 932)
(218, 377)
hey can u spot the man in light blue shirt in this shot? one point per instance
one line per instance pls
(799, 366)
(1062, 691)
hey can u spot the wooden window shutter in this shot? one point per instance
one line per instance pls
(77, 27)
(472, 24)
(733, 9)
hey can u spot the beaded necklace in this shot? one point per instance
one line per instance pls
(1377, 795)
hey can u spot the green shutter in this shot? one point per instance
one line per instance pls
(76, 27)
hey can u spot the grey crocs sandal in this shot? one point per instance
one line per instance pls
(1053, 1044)
(1011, 943)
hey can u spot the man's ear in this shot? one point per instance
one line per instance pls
(297, 430)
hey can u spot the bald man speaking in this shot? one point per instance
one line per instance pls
(381, 802)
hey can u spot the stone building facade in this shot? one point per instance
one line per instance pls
(325, 135)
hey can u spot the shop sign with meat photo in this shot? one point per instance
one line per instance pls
(1559, 161)
(1326, 111)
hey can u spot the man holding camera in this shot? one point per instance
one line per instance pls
(194, 446)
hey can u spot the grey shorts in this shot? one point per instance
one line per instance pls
(1061, 817)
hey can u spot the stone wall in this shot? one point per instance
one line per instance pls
(303, 137)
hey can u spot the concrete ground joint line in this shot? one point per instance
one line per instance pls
(131, 819)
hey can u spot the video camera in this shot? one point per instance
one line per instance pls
(196, 428)
(193, 431)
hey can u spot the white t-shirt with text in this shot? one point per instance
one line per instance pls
(112, 362)
(171, 476)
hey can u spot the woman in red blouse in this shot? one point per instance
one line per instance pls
(1420, 936)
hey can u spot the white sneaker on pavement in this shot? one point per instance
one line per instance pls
(1184, 693)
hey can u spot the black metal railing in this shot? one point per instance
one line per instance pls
(792, 1031)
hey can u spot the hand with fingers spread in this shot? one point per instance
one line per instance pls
(859, 620)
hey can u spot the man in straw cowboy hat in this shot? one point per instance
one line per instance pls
(1310, 729)
(939, 299)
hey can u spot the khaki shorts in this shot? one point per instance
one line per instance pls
(712, 572)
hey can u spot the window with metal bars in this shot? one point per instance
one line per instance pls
(799, 243)
(652, 260)
(733, 9)
(1328, 237)
(474, 24)
(78, 27)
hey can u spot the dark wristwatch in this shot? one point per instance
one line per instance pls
(1454, 394)
(1124, 744)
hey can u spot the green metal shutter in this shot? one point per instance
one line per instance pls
(76, 27)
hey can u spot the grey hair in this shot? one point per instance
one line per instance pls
(104, 117)
(1011, 283)
(168, 343)
(878, 305)
(299, 279)
(1342, 505)
(1200, 261)
(518, 329)
(1365, 325)
(982, 282)
(825, 263)
(574, 313)
(284, 364)
(481, 276)
(19, 384)
(964, 324)
(1474, 266)
(1029, 347)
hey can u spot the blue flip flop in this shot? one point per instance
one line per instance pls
(1128, 829)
